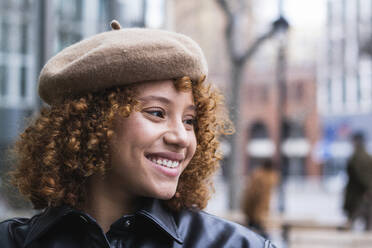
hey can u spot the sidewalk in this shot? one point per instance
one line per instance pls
(314, 205)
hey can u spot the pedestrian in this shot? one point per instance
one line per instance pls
(124, 153)
(257, 196)
(358, 190)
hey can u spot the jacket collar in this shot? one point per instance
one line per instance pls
(41, 223)
(151, 209)
(154, 210)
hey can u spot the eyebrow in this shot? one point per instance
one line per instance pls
(163, 100)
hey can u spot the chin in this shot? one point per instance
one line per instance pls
(164, 194)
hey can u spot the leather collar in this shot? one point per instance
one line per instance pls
(152, 209)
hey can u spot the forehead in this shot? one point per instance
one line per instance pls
(163, 89)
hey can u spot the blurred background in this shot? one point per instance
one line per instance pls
(297, 76)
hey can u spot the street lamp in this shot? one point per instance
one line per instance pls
(281, 26)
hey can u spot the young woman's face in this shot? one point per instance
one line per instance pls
(152, 146)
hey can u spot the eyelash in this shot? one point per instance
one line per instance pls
(160, 114)
(152, 112)
(192, 121)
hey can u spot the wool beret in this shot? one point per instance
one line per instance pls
(119, 57)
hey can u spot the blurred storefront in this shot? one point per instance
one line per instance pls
(300, 127)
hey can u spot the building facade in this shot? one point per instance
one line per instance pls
(345, 80)
(300, 124)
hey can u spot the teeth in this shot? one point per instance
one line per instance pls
(165, 162)
(169, 164)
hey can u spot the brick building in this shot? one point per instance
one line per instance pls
(300, 130)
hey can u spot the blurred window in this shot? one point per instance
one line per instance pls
(23, 80)
(68, 22)
(18, 31)
(258, 131)
(299, 91)
(292, 129)
(24, 38)
(103, 14)
(3, 80)
(70, 9)
(4, 46)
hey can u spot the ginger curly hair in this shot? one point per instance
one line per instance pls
(69, 142)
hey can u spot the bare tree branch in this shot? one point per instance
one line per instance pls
(230, 26)
(237, 60)
(256, 44)
(229, 34)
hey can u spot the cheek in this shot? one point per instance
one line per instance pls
(136, 129)
(192, 147)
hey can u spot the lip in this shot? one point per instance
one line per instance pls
(174, 156)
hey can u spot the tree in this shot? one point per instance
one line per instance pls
(238, 59)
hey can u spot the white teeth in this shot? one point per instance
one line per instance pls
(169, 164)
(165, 162)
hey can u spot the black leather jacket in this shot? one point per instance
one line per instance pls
(151, 226)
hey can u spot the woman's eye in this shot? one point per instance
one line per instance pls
(190, 121)
(157, 113)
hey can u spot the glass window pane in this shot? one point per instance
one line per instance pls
(24, 38)
(23, 81)
(3, 80)
(4, 46)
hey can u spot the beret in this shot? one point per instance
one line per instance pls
(119, 57)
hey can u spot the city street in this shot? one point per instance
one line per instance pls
(313, 215)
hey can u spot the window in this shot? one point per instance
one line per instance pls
(4, 40)
(3, 80)
(259, 131)
(23, 81)
(24, 38)
(70, 9)
(299, 91)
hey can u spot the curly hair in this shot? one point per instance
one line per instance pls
(69, 142)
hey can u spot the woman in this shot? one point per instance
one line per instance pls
(124, 155)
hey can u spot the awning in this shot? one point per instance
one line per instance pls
(261, 148)
(296, 147)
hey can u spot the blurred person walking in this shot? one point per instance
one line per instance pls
(257, 195)
(358, 191)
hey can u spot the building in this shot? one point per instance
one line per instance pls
(300, 128)
(345, 82)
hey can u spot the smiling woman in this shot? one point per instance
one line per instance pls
(124, 154)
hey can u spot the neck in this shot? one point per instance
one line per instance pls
(106, 205)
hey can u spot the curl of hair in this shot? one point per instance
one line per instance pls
(68, 143)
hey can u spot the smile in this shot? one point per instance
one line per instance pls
(164, 162)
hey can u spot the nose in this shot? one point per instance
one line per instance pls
(176, 134)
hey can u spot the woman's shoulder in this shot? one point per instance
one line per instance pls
(205, 229)
(14, 231)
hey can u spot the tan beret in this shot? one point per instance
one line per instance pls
(120, 57)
